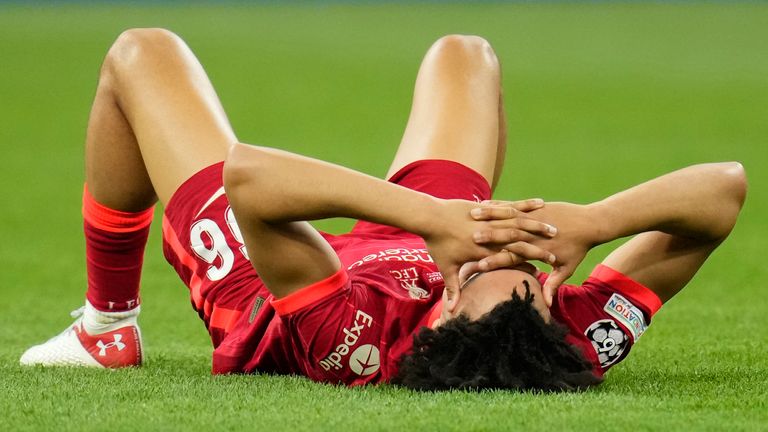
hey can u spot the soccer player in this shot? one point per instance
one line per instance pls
(370, 306)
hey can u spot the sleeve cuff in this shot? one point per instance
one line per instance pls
(310, 294)
(623, 283)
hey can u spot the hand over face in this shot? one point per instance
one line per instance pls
(575, 236)
(452, 238)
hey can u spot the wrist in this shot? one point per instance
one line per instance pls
(426, 216)
(603, 223)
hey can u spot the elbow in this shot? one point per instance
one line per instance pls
(240, 175)
(733, 182)
(234, 171)
(737, 181)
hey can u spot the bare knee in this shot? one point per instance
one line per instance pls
(467, 49)
(137, 48)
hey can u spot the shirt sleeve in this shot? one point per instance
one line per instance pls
(606, 315)
(311, 294)
(335, 329)
(641, 295)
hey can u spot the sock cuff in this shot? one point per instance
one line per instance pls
(107, 317)
(106, 306)
(111, 220)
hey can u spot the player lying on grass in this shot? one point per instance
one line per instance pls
(370, 306)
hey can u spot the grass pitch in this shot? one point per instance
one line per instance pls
(599, 96)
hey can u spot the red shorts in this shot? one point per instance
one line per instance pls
(440, 178)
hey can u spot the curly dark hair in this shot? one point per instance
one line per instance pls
(510, 347)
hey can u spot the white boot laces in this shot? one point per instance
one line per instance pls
(77, 313)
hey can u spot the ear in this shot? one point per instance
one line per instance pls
(451, 299)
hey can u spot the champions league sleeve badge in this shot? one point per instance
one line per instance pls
(608, 340)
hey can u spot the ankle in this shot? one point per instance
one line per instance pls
(96, 321)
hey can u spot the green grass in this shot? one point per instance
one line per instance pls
(600, 96)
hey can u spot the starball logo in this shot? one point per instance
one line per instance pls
(351, 336)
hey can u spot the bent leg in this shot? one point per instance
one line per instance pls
(155, 122)
(457, 111)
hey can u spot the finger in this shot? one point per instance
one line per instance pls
(467, 271)
(451, 279)
(530, 252)
(501, 236)
(528, 268)
(536, 227)
(503, 259)
(515, 254)
(553, 281)
(547, 292)
(526, 224)
(558, 276)
(523, 205)
(528, 205)
(493, 212)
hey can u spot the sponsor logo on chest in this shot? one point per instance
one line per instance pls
(628, 314)
(396, 254)
(365, 360)
(351, 336)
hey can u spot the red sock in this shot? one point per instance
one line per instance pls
(114, 252)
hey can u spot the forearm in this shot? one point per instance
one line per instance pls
(273, 193)
(699, 202)
(282, 187)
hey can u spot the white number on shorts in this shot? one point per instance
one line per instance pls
(218, 248)
(235, 230)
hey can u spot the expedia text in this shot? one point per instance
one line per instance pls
(351, 336)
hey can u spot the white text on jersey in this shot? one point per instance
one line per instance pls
(351, 336)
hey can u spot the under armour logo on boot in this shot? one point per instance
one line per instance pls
(116, 343)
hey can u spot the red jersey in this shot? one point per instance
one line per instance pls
(385, 291)
(349, 328)
(353, 327)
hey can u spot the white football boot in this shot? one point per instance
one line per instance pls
(95, 339)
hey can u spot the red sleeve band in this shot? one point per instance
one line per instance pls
(623, 283)
(310, 294)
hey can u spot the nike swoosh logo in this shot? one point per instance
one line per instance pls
(210, 201)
